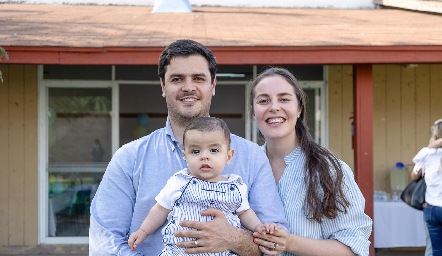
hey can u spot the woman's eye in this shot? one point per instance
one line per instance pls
(214, 150)
(195, 151)
(262, 101)
(285, 99)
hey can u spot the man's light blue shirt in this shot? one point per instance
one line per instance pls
(141, 168)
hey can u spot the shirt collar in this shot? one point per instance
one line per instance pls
(231, 177)
(288, 158)
(174, 143)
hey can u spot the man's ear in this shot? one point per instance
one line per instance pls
(213, 86)
(162, 88)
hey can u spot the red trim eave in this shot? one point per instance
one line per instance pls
(247, 55)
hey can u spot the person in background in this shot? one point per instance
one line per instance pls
(322, 202)
(140, 169)
(428, 163)
(207, 150)
(97, 151)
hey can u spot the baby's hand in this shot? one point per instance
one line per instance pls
(136, 238)
(266, 228)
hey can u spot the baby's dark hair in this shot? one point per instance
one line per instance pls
(208, 124)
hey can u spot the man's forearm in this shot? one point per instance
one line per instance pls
(242, 243)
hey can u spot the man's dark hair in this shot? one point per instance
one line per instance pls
(185, 48)
(208, 124)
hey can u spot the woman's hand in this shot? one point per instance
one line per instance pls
(272, 244)
(436, 144)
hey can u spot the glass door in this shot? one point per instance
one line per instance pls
(79, 144)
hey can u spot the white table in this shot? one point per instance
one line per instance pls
(396, 224)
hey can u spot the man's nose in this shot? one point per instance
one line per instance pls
(189, 85)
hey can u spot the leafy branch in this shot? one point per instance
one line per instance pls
(3, 54)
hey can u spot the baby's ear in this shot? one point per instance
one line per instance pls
(230, 154)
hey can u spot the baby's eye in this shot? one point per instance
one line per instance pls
(195, 151)
(214, 150)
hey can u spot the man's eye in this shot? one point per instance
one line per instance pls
(176, 79)
(195, 151)
(214, 150)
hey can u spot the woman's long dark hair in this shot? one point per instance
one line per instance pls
(323, 177)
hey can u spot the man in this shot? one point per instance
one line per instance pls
(139, 169)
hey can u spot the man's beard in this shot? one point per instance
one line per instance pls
(183, 120)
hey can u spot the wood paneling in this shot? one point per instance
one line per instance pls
(408, 114)
(30, 151)
(18, 155)
(393, 111)
(435, 93)
(347, 113)
(423, 120)
(406, 102)
(4, 156)
(335, 101)
(340, 111)
(16, 159)
(381, 174)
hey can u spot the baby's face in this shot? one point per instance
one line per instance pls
(207, 154)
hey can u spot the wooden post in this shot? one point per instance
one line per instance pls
(363, 135)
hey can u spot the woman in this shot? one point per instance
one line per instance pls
(429, 163)
(322, 201)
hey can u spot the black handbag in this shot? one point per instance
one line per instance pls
(414, 193)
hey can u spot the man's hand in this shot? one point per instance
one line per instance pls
(211, 236)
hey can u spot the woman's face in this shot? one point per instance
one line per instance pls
(276, 108)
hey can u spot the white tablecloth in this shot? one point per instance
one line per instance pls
(397, 225)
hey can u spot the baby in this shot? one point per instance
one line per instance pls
(206, 143)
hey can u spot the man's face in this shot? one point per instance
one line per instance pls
(187, 88)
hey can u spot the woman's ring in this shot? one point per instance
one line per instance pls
(274, 245)
(195, 243)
